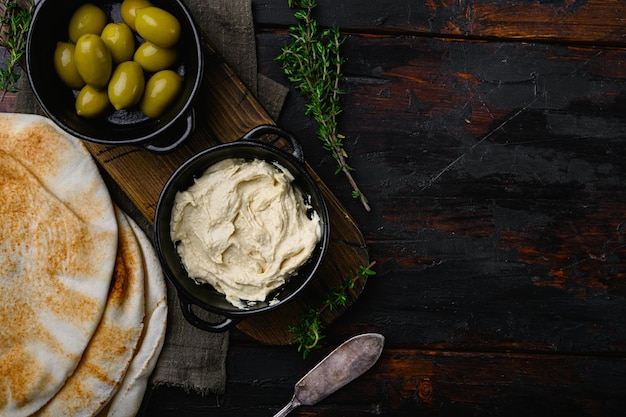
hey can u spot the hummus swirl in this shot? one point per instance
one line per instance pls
(244, 228)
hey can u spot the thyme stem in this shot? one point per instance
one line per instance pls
(14, 23)
(312, 62)
(307, 333)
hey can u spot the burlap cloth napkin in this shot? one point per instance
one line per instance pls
(191, 358)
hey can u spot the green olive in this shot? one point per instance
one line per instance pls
(88, 18)
(128, 11)
(120, 40)
(66, 67)
(157, 26)
(161, 90)
(93, 60)
(126, 86)
(153, 58)
(91, 102)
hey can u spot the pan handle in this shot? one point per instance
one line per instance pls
(182, 128)
(258, 132)
(193, 319)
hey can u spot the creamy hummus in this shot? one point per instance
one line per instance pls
(244, 228)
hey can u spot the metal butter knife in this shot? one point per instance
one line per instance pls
(347, 362)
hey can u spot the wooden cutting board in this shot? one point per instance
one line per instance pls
(226, 110)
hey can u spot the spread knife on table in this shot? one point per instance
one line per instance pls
(347, 362)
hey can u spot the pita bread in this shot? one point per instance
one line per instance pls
(128, 398)
(58, 244)
(108, 355)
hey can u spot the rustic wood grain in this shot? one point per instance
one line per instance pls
(575, 21)
(489, 138)
(496, 176)
(8, 101)
(225, 111)
(409, 382)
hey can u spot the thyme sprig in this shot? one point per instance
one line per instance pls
(308, 331)
(15, 19)
(312, 62)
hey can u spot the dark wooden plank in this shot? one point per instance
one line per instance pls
(8, 102)
(414, 105)
(496, 177)
(484, 304)
(427, 382)
(577, 21)
(495, 173)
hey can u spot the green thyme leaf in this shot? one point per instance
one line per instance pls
(14, 23)
(312, 63)
(307, 333)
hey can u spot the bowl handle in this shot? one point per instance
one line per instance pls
(202, 324)
(256, 133)
(187, 128)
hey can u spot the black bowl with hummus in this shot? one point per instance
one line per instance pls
(241, 228)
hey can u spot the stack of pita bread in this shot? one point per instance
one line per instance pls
(82, 296)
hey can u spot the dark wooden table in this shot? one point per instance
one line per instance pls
(489, 138)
